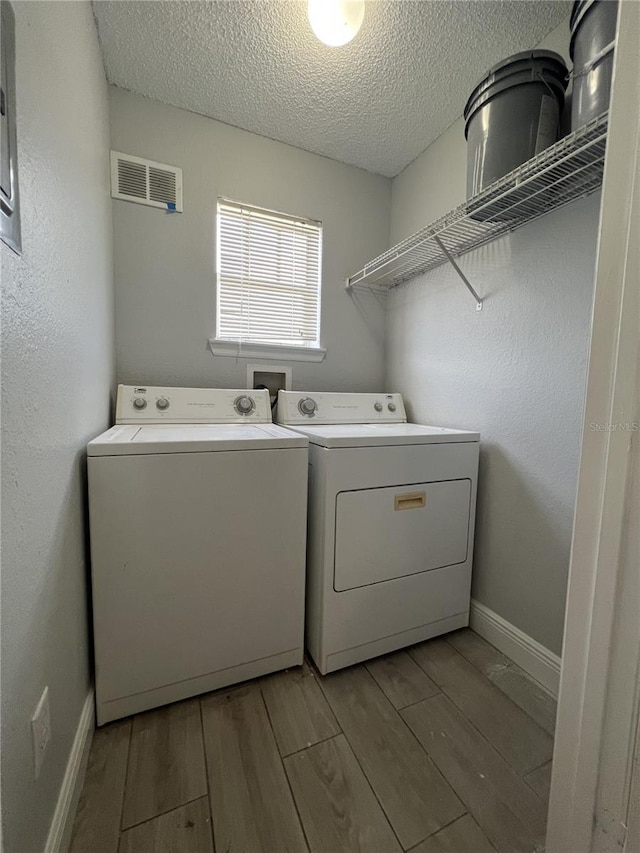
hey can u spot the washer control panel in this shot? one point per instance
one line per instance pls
(152, 404)
(244, 405)
(305, 407)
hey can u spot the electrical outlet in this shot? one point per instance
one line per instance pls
(40, 731)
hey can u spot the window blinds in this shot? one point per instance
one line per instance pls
(268, 276)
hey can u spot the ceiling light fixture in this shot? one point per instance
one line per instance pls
(335, 22)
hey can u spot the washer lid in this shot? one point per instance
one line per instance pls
(381, 435)
(136, 440)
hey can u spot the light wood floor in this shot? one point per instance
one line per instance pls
(442, 748)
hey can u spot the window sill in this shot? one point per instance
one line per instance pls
(238, 349)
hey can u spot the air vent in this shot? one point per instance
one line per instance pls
(146, 182)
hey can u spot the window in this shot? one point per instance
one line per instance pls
(268, 267)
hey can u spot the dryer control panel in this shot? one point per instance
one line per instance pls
(322, 407)
(155, 405)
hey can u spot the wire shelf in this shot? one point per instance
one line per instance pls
(568, 170)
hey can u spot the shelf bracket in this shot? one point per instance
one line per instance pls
(465, 280)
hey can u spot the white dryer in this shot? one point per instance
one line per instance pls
(198, 523)
(391, 524)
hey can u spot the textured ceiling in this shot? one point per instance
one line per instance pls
(377, 103)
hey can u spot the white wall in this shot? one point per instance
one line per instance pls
(515, 371)
(57, 374)
(165, 264)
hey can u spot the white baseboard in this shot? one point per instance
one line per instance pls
(534, 658)
(61, 825)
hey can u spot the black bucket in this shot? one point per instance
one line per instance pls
(512, 115)
(593, 33)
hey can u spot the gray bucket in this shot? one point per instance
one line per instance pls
(512, 115)
(593, 33)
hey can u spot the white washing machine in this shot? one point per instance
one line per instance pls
(391, 524)
(198, 524)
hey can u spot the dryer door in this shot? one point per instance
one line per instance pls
(388, 533)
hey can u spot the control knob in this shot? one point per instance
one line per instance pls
(391, 407)
(139, 403)
(244, 405)
(377, 407)
(307, 406)
(162, 403)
